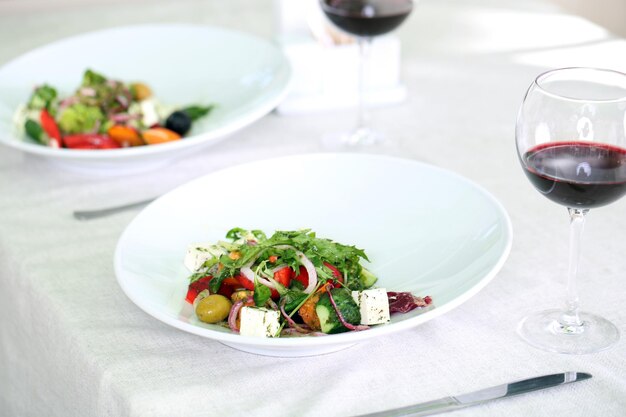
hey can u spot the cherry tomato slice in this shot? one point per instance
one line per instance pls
(196, 288)
(284, 276)
(302, 277)
(245, 282)
(90, 141)
(338, 275)
(226, 289)
(51, 128)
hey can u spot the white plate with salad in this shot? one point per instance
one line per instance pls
(132, 98)
(414, 229)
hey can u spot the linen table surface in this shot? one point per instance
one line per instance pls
(72, 344)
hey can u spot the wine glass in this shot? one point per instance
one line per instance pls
(364, 19)
(571, 142)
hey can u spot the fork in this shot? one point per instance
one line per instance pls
(97, 213)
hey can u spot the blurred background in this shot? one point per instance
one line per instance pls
(610, 14)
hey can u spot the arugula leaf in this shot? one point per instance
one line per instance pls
(216, 283)
(196, 276)
(210, 263)
(42, 98)
(227, 271)
(92, 78)
(235, 233)
(197, 112)
(345, 258)
(261, 293)
(293, 299)
(259, 234)
(296, 285)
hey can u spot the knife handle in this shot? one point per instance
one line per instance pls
(423, 409)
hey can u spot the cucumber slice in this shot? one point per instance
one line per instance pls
(367, 278)
(329, 321)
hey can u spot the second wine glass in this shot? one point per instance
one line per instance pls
(365, 19)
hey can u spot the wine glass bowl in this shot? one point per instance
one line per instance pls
(364, 19)
(571, 143)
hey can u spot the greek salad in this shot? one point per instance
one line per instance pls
(103, 114)
(292, 283)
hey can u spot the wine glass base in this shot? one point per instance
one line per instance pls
(544, 331)
(361, 137)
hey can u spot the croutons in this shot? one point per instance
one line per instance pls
(308, 314)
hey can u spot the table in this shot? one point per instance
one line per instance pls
(72, 344)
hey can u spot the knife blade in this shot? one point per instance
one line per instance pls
(477, 397)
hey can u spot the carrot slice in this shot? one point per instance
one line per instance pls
(158, 135)
(125, 135)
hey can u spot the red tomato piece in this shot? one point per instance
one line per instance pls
(284, 276)
(232, 281)
(245, 282)
(196, 288)
(338, 275)
(226, 289)
(303, 277)
(90, 141)
(49, 125)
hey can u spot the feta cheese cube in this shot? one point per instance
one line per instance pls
(259, 322)
(373, 304)
(149, 112)
(199, 253)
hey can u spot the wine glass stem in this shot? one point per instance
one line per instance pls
(570, 321)
(364, 50)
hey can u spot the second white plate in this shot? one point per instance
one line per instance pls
(243, 75)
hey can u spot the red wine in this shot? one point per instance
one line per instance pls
(577, 174)
(367, 17)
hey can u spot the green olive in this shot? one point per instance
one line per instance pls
(213, 309)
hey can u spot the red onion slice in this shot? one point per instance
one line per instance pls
(292, 324)
(88, 92)
(123, 101)
(249, 274)
(68, 102)
(124, 117)
(232, 316)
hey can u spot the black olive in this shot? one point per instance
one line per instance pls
(179, 122)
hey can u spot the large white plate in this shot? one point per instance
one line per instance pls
(245, 76)
(426, 230)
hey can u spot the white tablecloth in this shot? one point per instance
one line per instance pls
(72, 344)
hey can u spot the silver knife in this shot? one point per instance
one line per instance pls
(477, 397)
